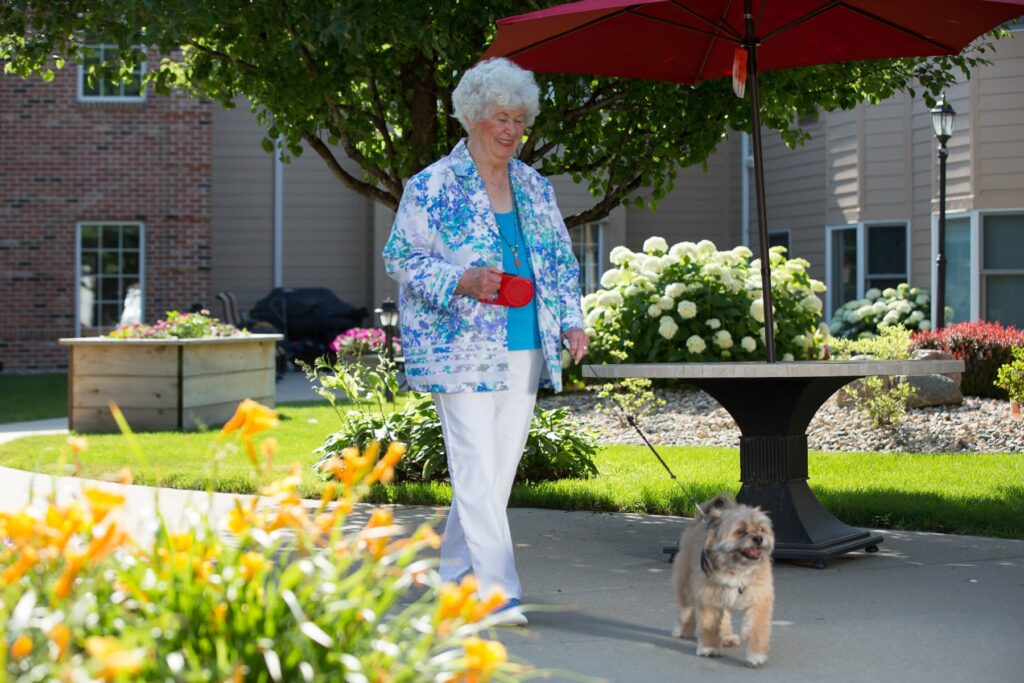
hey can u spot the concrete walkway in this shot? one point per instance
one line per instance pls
(927, 607)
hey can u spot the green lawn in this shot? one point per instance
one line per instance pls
(979, 494)
(33, 397)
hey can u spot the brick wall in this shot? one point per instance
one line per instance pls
(63, 162)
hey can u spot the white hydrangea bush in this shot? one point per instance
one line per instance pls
(903, 305)
(691, 303)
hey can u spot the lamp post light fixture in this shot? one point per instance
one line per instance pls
(388, 316)
(943, 117)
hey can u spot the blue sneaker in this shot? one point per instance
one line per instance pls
(510, 614)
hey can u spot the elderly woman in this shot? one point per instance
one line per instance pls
(462, 222)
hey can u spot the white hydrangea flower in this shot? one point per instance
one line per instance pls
(864, 310)
(713, 323)
(611, 278)
(924, 325)
(667, 261)
(823, 330)
(686, 309)
(654, 310)
(651, 276)
(878, 308)
(666, 303)
(675, 290)
(818, 287)
(836, 327)
(631, 290)
(904, 307)
(888, 292)
(620, 255)
(757, 310)
(853, 316)
(609, 299)
(742, 252)
(695, 344)
(722, 339)
(655, 244)
(706, 247)
(667, 327)
(891, 318)
(811, 303)
(802, 341)
(748, 344)
(922, 300)
(788, 357)
(652, 263)
(917, 316)
(681, 250)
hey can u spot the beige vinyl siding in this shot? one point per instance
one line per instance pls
(242, 210)
(843, 167)
(703, 205)
(795, 190)
(999, 143)
(327, 230)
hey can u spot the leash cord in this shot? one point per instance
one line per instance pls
(632, 421)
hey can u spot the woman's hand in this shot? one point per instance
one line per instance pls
(578, 343)
(481, 283)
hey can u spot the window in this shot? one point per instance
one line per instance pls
(588, 245)
(1002, 268)
(863, 256)
(97, 89)
(110, 273)
(958, 269)
(779, 238)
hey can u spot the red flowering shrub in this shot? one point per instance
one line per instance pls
(983, 347)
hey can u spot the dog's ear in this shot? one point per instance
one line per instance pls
(714, 507)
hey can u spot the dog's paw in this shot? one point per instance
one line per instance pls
(705, 651)
(756, 660)
(731, 640)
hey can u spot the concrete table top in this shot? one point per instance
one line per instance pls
(779, 370)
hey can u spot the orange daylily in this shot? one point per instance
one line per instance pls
(252, 563)
(482, 658)
(22, 647)
(101, 502)
(384, 470)
(251, 418)
(77, 444)
(60, 636)
(113, 658)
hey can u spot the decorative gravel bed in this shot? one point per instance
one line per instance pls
(691, 417)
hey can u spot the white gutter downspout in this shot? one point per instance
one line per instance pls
(746, 163)
(278, 215)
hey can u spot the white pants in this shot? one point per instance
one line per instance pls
(484, 435)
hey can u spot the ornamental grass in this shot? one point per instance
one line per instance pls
(277, 592)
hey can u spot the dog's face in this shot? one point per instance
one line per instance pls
(739, 536)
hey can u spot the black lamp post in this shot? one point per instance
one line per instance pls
(943, 117)
(388, 316)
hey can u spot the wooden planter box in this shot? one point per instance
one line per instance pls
(166, 384)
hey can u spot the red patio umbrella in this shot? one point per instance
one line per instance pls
(688, 41)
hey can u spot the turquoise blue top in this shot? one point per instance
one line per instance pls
(523, 330)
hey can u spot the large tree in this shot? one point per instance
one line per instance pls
(371, 80)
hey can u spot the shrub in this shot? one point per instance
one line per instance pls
(1011, 376)
(882, 399)
(360, 341)
(555, 446)
(983, 347)
(864, 318)
(692, 302)
(179, 326)
(290, 597)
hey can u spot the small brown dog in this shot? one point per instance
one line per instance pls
(724, 563)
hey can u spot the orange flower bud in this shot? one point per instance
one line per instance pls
(22, 647)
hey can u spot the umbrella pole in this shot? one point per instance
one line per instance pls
(762, 213)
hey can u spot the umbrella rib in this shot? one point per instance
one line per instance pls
(562, 34)
(874, 17)
(716, 28)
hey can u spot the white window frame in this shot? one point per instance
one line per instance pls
(601, 226)
(83, 74)
(862, 240)
(977, 218)
(78, 266)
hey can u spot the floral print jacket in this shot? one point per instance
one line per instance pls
(444, 226)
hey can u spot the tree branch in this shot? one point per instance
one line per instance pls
(346, 178)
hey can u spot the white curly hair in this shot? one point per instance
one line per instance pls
(495, 83)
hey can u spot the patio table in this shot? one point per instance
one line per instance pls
(772, 404)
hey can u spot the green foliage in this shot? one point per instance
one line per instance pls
(864, 318)
(277, 593)
(882, 399)
(555, 446)
(372, 82)
(628, 397)
(693, 303)
(1010, 377)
